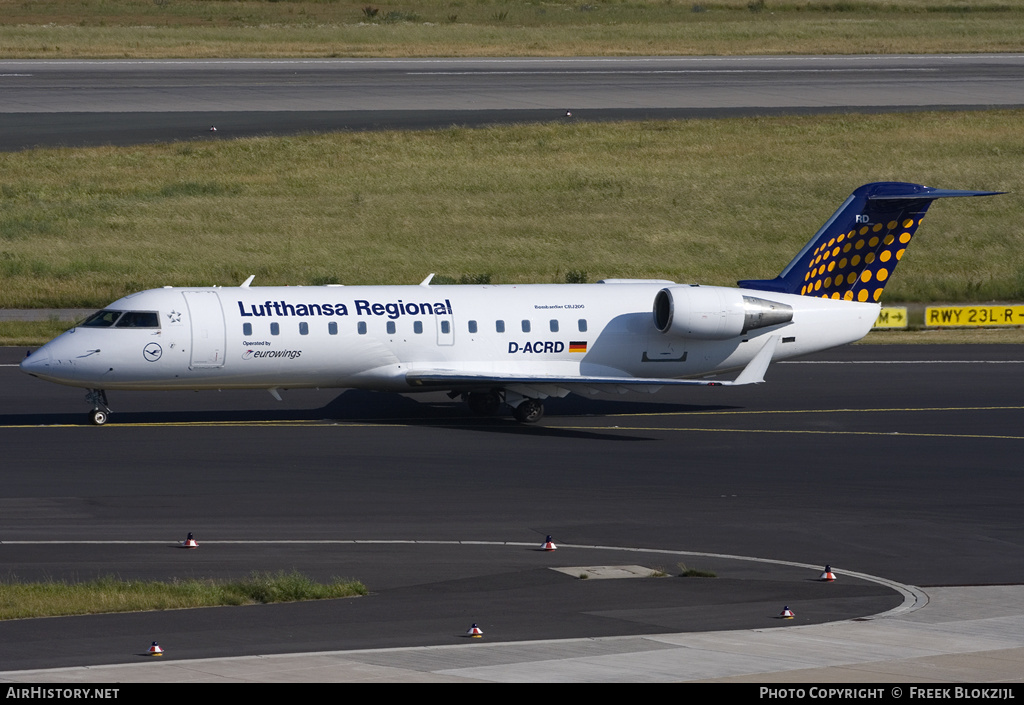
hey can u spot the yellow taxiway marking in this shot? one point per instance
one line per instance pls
(782, 430)
(553, 422)
(819, 411)
(383, 423)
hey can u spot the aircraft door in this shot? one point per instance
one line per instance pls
(208, 332)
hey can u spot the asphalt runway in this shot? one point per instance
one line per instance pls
(899, 462)
(74, 103)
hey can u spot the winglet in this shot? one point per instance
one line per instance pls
(426, 282)
(753, 373)
(247, 282)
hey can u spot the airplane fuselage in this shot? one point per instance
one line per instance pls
(375, 337)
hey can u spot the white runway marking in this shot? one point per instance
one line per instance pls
(913, 598)
(654, 71)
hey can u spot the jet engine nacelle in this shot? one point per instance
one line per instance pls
(713, 313)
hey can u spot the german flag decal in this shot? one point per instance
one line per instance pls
(577, 346)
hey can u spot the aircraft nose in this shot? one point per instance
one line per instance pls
(49, 364)
(37, 362)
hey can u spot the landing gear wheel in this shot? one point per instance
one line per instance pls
(100, 409)
(529, 411)
(484, 403)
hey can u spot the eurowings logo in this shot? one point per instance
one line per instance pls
(290, 354)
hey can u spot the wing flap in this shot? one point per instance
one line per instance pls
(448, 379)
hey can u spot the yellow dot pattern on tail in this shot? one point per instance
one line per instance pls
(855, 265)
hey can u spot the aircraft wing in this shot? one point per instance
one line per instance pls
(560, 385)
(543, 385)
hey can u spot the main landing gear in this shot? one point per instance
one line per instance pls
(489, 403)
(100, 411)
(484, 403)
(529, 411)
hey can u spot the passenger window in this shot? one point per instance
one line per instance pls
(445, 327)
(275, 328)
(332, 327)
(361, 328)
(417, 327)
(554, 326)
(391, 327)
(499, 326)
(472, 326)
(303, 328)
(583, 325)
(526, 326)
(247, 329)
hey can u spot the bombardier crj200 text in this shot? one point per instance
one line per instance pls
(495, 345)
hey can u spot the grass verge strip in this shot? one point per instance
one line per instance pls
(111, 594)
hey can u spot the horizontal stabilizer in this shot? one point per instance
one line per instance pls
(932, 193)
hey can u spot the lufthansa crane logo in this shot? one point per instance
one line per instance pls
(152, 352)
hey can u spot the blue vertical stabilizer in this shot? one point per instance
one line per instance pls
(855, 252)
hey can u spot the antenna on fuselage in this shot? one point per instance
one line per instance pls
(426, 282)
(247, 282)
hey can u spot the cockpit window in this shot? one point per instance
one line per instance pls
(101, 319)
(122, 319)
(139, 319)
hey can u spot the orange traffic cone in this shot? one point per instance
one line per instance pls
(155, 650)
(827, 576)
(475, 631)
(786, 613)
(548, 545)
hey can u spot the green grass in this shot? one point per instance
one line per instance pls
(708, 201)
(110, 594)
(31, 333)
(946, 336)
(326, 28)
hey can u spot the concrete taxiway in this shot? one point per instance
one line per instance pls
(963, 635)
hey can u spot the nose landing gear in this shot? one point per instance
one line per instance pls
(100, 411)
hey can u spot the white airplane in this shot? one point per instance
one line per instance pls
(494, 345)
